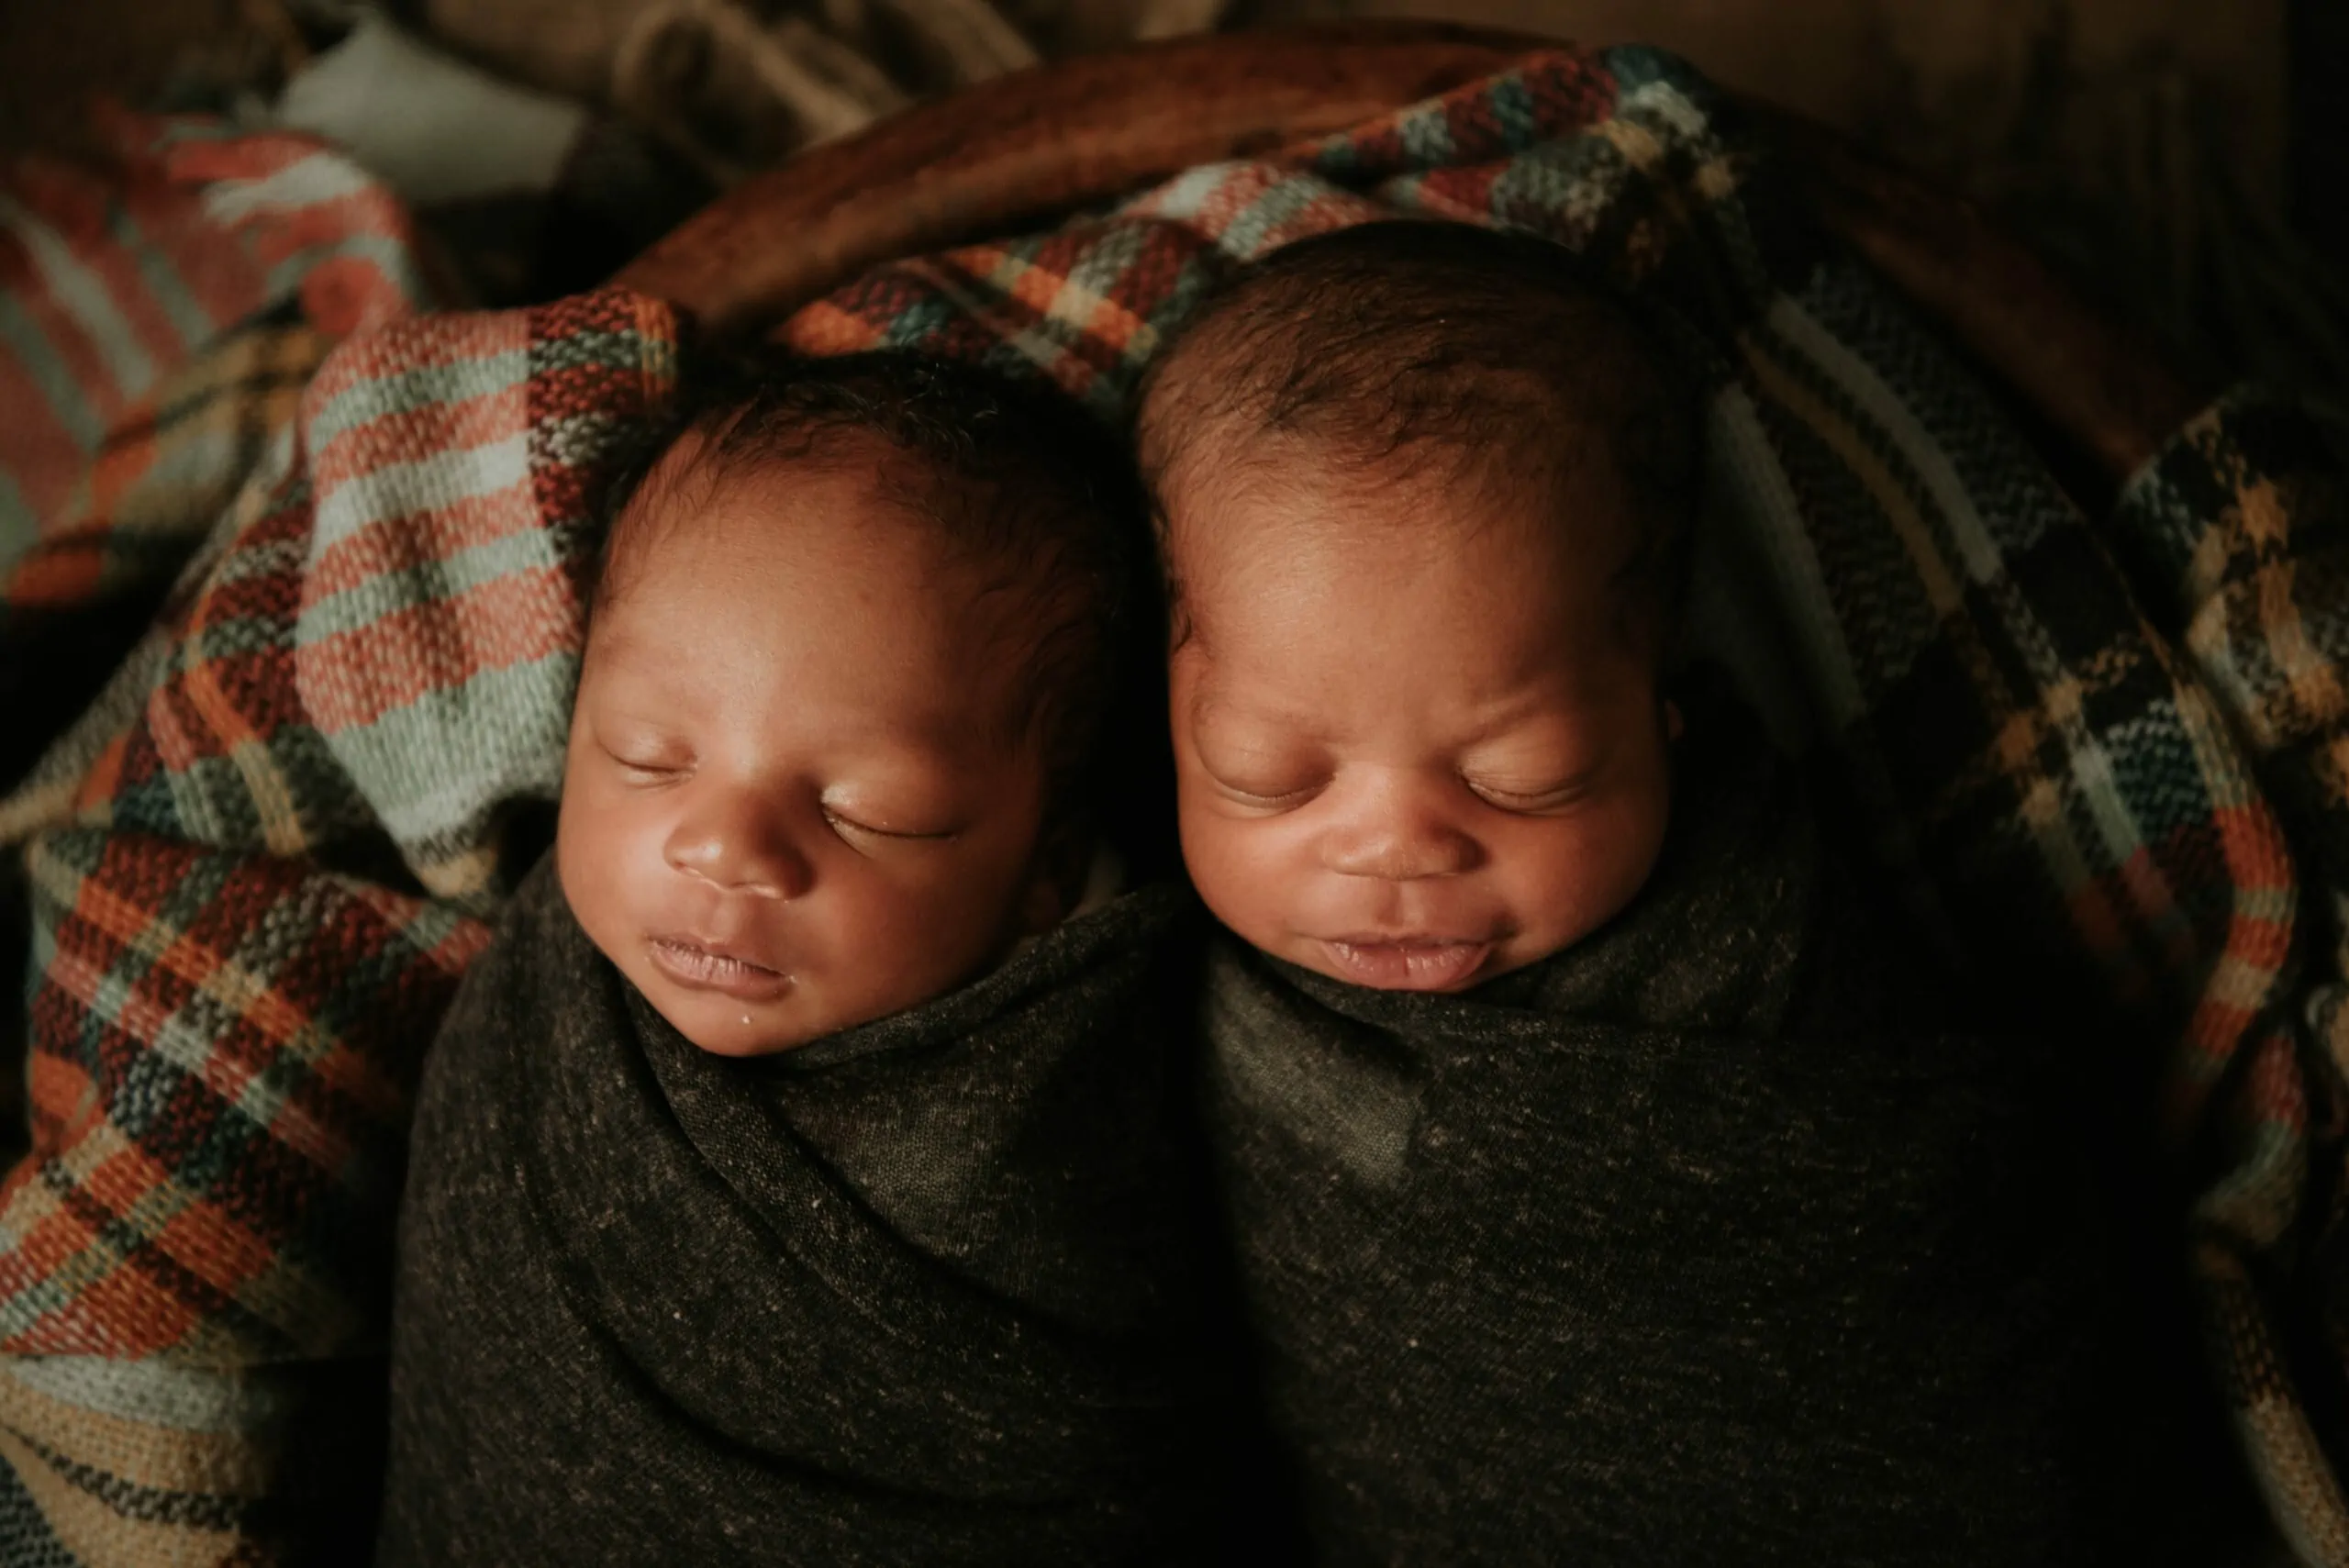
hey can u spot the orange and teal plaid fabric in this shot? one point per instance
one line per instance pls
(157, 320)
(257, 866)
(2238, 533)
(233, 973)
(76, 600)
(111, 280)
(2102, 756)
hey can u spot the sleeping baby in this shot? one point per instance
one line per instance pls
(799, 1176)
(1602, 1193)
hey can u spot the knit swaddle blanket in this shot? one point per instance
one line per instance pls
(2104, 756)
(1699, 1241)
(925, 1291)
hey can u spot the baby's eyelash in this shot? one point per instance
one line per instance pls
(1562, 794)
(854, 826)
(649, 769)
(1296, 796)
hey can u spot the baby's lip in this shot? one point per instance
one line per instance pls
(1414, 960)
(705, 963)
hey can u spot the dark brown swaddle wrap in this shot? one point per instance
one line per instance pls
(926, 1291)
(1687, 1245)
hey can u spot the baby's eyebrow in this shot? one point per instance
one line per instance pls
(1213, 700)
(623, 648)
(645, 682)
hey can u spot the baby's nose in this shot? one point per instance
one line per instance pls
(742, 846)
(1398, 834)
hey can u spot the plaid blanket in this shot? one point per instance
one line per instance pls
(156, 323)
(111, 281)
(257, 866)
(2102, 759)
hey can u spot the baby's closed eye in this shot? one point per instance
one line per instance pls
(639, 743)
(1265, 779)
(1270, 797)
(643, 762)
(866, 814)
(855, 827)
(1535, 773)
(1533, 796)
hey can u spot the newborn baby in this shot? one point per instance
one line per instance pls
(796, 1179)
(1599, 1191)
(1420, 604)
(827, 755)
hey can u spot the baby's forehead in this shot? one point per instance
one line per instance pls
(897, 530)
(761, 507)
(1354, 511)
(1292, 563)
(725, 622)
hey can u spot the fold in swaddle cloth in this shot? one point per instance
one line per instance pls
(926, 1291)
(1690, 1244)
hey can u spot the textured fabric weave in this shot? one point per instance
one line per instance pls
(929, 1290)
(1703, 1240)
(110, 281)
(259, 865)
(76, 600)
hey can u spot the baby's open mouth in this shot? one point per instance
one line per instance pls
(1408, 963)
(703, 966)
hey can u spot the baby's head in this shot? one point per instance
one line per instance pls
(851, 647)
(1423, 495)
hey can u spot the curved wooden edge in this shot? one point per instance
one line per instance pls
(1037, 141)
(2102, 386)
(1014, 150)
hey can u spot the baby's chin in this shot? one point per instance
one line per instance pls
(724, 1028)
(780, 1017)
(793, 1015)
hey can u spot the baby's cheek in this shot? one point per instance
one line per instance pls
(1563, 878)
(912, 932)
(1242, 869)
(586, 844)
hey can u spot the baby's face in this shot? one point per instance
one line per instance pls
(792, 802)
(1415, 747)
